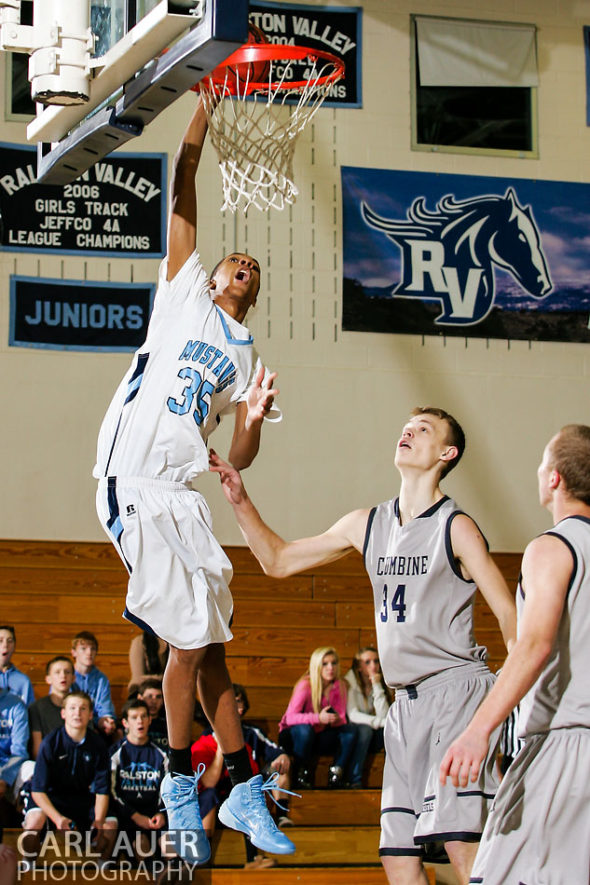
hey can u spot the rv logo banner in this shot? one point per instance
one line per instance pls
(465, 255)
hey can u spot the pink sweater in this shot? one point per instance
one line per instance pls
(300, 710)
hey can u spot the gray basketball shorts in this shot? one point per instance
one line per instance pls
(178, 574)
(418, 815)
(538, 831)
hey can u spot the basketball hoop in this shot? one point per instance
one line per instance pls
(267, 102)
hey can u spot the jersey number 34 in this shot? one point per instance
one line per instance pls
(397, 604)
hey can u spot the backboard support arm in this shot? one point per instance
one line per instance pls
(194, 56)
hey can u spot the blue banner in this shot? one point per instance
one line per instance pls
(334, 29)
(437, 254)
(78, 314)
(116, 208)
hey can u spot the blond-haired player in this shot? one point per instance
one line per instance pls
(424, 557)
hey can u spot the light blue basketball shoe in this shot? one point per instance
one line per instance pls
(245, 810)
(185, 827)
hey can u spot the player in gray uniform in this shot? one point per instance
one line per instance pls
(197, 364)
(539, 828)
(424, 557)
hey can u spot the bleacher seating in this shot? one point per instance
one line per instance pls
(50, 590)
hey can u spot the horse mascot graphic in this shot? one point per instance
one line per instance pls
(449, 255)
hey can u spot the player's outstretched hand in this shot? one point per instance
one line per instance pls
(463, 757)
(261, 397)
(231, 481)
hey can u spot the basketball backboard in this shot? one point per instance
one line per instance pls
(132, 78)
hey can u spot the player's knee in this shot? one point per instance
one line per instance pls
(185, 658)
(213, 667)
(215, 654)
(34, 820)
(462, 854)
(401, 869)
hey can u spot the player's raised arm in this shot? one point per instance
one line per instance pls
(182, 223)
(249, 418)
(546, 570)
(281, 558)
(471, 550)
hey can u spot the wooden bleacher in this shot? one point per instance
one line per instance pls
(50, 590)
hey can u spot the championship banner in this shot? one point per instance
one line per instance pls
(335, 29)
(78, 314)
(116, 208)
(438, 254)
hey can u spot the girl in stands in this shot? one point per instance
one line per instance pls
(367, 706)
(315, 722)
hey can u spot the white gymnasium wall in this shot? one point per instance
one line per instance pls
(345, 395)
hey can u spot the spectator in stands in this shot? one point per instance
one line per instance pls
(70, 786)
(367, 705)
(150, 691)
(8, 863)
(45, 714)
(148, 655)
(90, 679)
(315, 721)
(265, 756)
(137, 770)
(12, 679)
(14, 739)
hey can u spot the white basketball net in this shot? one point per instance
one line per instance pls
(255, 137)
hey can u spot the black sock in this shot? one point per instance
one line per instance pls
(251, 851)
(180, 762)
(238, 766)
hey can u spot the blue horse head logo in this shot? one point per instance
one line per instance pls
(448, 255)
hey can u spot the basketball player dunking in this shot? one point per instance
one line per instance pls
(198, 364)
(424, 558)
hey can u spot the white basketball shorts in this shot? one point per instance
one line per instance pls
(178, 573)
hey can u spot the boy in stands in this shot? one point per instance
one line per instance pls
(70, 786)
(12, 679)
(137, 771)
(45, 714)
(94, 682)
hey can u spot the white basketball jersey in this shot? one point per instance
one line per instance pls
(423, 607)
(196, 364)
(560, 697)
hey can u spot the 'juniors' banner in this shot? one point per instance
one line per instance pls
(465, 255)
(114, 208)
(78, 314)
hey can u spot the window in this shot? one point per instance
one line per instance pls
(19, 104)
(474, 87)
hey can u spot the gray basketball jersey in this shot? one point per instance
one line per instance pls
(560, 697)
(423, 607)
